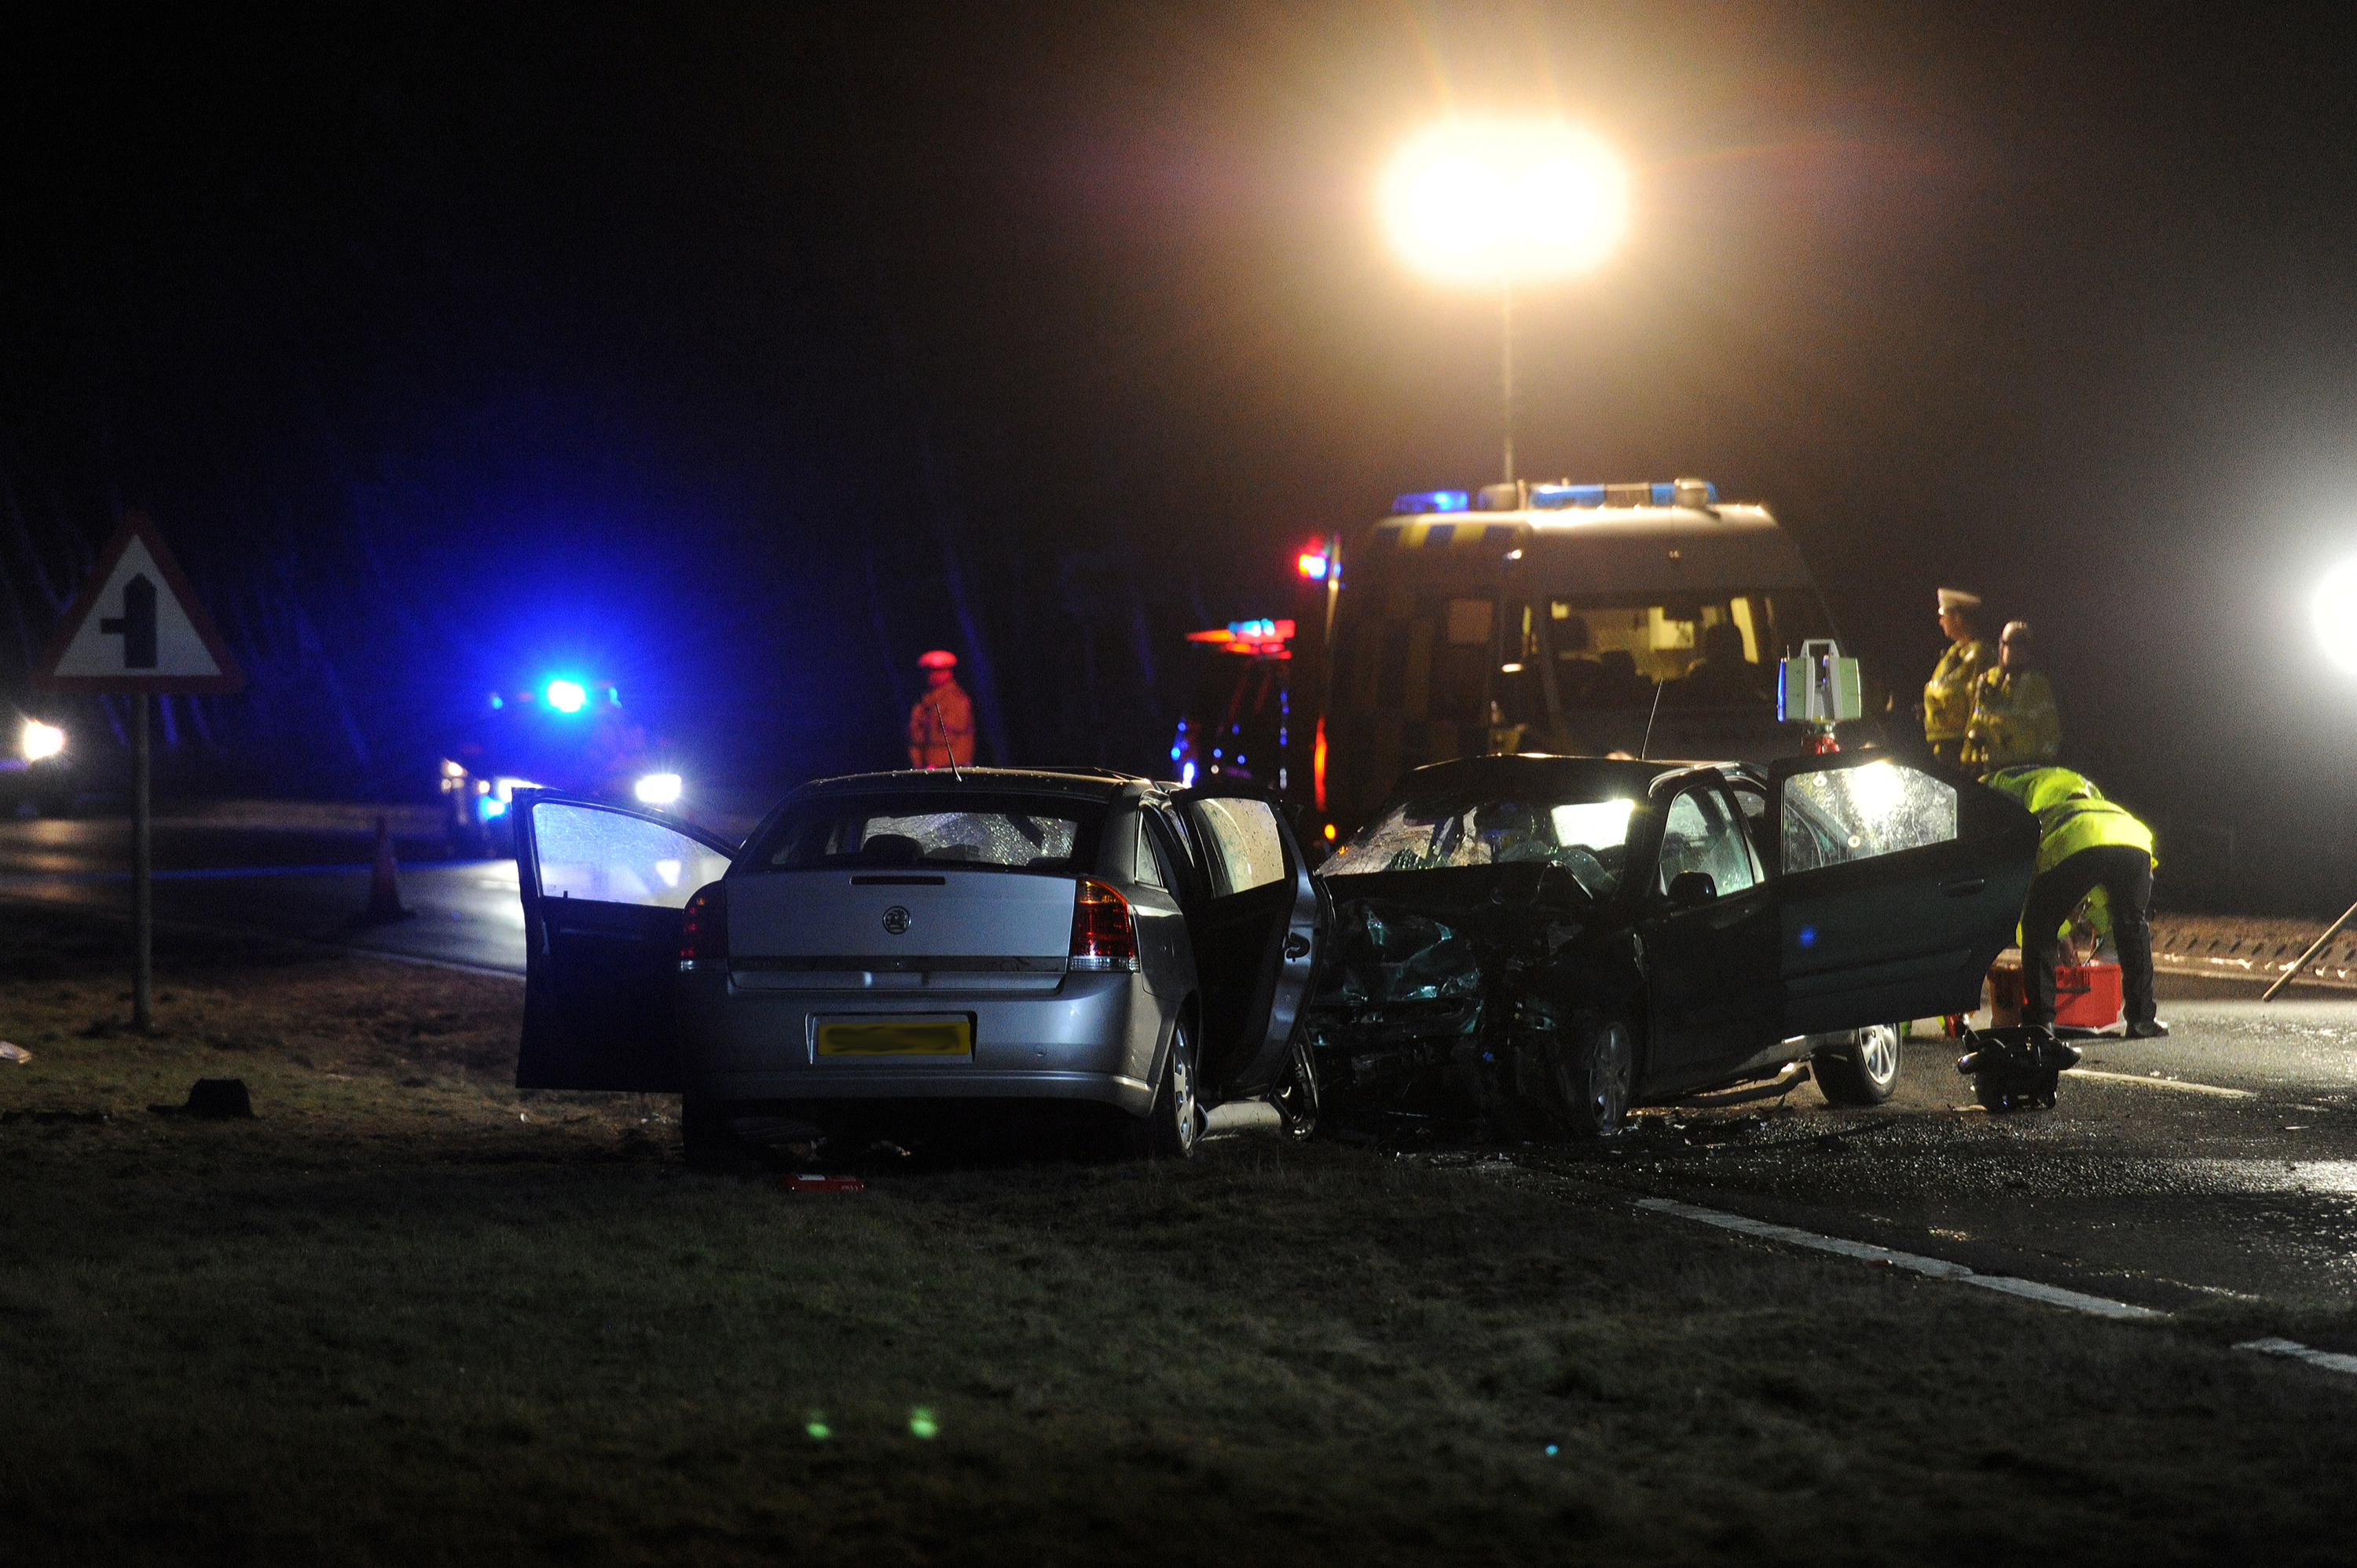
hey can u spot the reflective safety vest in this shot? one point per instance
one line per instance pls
(2072, 814)
(1948, 695)
(2014, 720)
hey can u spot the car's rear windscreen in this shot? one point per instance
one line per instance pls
(968, 829)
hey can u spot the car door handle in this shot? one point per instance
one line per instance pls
(1296, 946)
(1963, 886)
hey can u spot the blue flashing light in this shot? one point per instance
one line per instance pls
(1433, 501)
(1808, 936)
(497, 701)
(1660, 492)
(566, 696)
(1176, 753)
(1252, 631)
(492, 806)
(1186, 777)
(614, 695)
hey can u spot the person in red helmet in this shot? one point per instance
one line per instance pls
(941, 727)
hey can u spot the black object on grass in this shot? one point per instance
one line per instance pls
(213, 1100)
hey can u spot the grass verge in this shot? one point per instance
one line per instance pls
(407, 1314)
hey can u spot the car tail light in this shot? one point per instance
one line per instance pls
(704, 939)
(1104, 936)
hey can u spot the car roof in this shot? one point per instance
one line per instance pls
(1092, 783)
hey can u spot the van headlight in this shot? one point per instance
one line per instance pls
(42, 740)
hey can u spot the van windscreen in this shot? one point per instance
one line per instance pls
(1450, 656)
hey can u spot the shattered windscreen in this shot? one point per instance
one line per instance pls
(954, 828)
(1588, 837)
(1856, 813)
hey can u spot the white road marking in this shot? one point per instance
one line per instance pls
(2293, 1348)
(2160, 1082)
(1941, 1269)
(1915, 1262)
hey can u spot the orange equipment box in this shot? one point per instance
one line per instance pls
(2087, 996)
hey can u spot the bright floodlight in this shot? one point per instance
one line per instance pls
(566, 696)
(2335, 609)
(42, 740)
(659, 789)
(1489, 202)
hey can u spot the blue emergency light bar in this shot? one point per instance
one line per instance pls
(1550, 497)
(1663, 492)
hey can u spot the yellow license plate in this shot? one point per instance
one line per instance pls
(898, 1037)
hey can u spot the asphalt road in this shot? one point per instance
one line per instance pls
(309, 886)
(2220, 1160)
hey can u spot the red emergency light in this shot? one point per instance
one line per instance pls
(1317, 561)
(1265, 638)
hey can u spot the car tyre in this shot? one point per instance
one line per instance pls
(1295, 1097)
(1173, 1129)
(707, 1141)
(1595, 1070)
(1864, 1072)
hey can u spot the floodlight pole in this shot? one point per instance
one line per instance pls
(142, 877)
(1506, 366)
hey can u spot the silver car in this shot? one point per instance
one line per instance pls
(925, 936)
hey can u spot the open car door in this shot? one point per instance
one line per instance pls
(1896, 885)
(1256, 928)
(604, 888)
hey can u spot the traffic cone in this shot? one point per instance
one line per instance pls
(384, 903)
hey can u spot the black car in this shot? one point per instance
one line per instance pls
(1532, 944)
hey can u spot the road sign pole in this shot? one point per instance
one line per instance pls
(143, 880)
(137, 631)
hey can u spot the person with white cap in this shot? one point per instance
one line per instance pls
(941, 727)
(1948, 695)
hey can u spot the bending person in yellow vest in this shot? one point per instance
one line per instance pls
(2084, 841)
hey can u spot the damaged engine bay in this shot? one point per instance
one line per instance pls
(1463, 1001)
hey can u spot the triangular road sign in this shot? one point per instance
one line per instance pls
(136, 626)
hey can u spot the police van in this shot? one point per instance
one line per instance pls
(1648, 619)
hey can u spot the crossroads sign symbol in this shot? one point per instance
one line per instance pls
(137, 626)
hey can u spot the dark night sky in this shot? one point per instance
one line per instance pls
(681, 346)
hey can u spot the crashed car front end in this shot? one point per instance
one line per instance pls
(1452, 997)
(1475, 940)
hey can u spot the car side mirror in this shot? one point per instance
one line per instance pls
(1690, 889)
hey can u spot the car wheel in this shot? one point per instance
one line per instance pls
(1295, 1097)
(1175, 1126)
(1595, 1072)
(708, 1142)
(1863, 1072)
